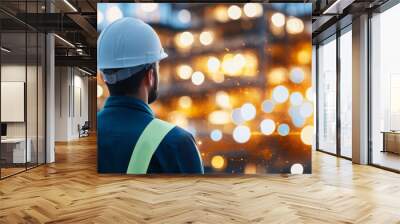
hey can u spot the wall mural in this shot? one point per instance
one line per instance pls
(237, 82)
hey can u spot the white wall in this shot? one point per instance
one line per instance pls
(71, 102)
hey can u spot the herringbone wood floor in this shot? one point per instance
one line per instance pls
(70, 191)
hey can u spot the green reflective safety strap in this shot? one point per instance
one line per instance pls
(147, 144)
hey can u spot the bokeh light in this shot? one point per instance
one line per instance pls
(213, 64)
(179, 119)
(221, 13)
(268, 106)
(113, 13)
(280, 94)
(217, 162)
(216, 135)
(267, 126)
(184, 72)
(198, 78)
(100, 17)
(206, 37)
(241, 134)
(100, 91)
(297, 75)
(277, 76)
(253, 9)
(296, 98)
(219, 117)
(283, 129)
(234, 12)
(296, 168)
(278, 19)
(294, 25)
(184, 40)
(184, 16)
(248, 111)
(185, 102)
(310, 94)
(222, 99)
(237, 116)
(306, 109)
(148, 7)
(307, 134)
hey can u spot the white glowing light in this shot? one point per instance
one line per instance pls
(237, 116)
(253, 9)
(268, 106)
(248, 111)
(278, 19)
(185, 102)
(306, 109)
(296, 98)
(234, 12)
(280, 94)
(206, 37)
(294, 25)
(296, 168)
(184, 16)
(283, 129)
(148, 7)
(100, 91)
(267, 126)
(216, 135)
(113, 13)
(222, 99)
(219, 117)
(241, 134)
(198, 78)
(184, 72)
(185, 39)
(307, 134)
(213, 64)
(240, 61)
(297, 75)
(100, 17)
(310, 94)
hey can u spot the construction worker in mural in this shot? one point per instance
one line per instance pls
(130, 139)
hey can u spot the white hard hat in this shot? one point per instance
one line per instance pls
(127, 43)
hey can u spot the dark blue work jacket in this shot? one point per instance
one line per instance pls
(120, 124)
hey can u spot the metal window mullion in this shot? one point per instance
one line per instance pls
(338, 95)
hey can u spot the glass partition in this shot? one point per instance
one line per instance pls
(327, 96)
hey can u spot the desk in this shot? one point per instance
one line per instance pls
(13, 150)
(391, 141)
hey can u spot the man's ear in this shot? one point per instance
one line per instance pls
(149, 77)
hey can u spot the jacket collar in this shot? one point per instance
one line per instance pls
(128, 102)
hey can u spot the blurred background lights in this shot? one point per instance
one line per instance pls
(310, 94)
(100, 17)
(219, 117)
(113, 13)
(283, 129)
(221, 13)
(296, 168)
(298, 121)
(277, 76)
(253, 9)
(184, 72)
(278, 19)
(267, 106)
(241, 134)
(178, 118)
(185, 39)
(234, 12)
(148, 7)
(280, 94)
(296, 98)
(213, 64)
(294, 25)
(239, 61)
(248, 111)
(100, 91)
(206, 37)
(217, 162)
(198, 78)
(306, 109)
(250, 168)
(184, 16)
(237, 116)
(222, 99)
(297, 75)
(185, 102)
(216, 135)
(267, 126)
(307, 134)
